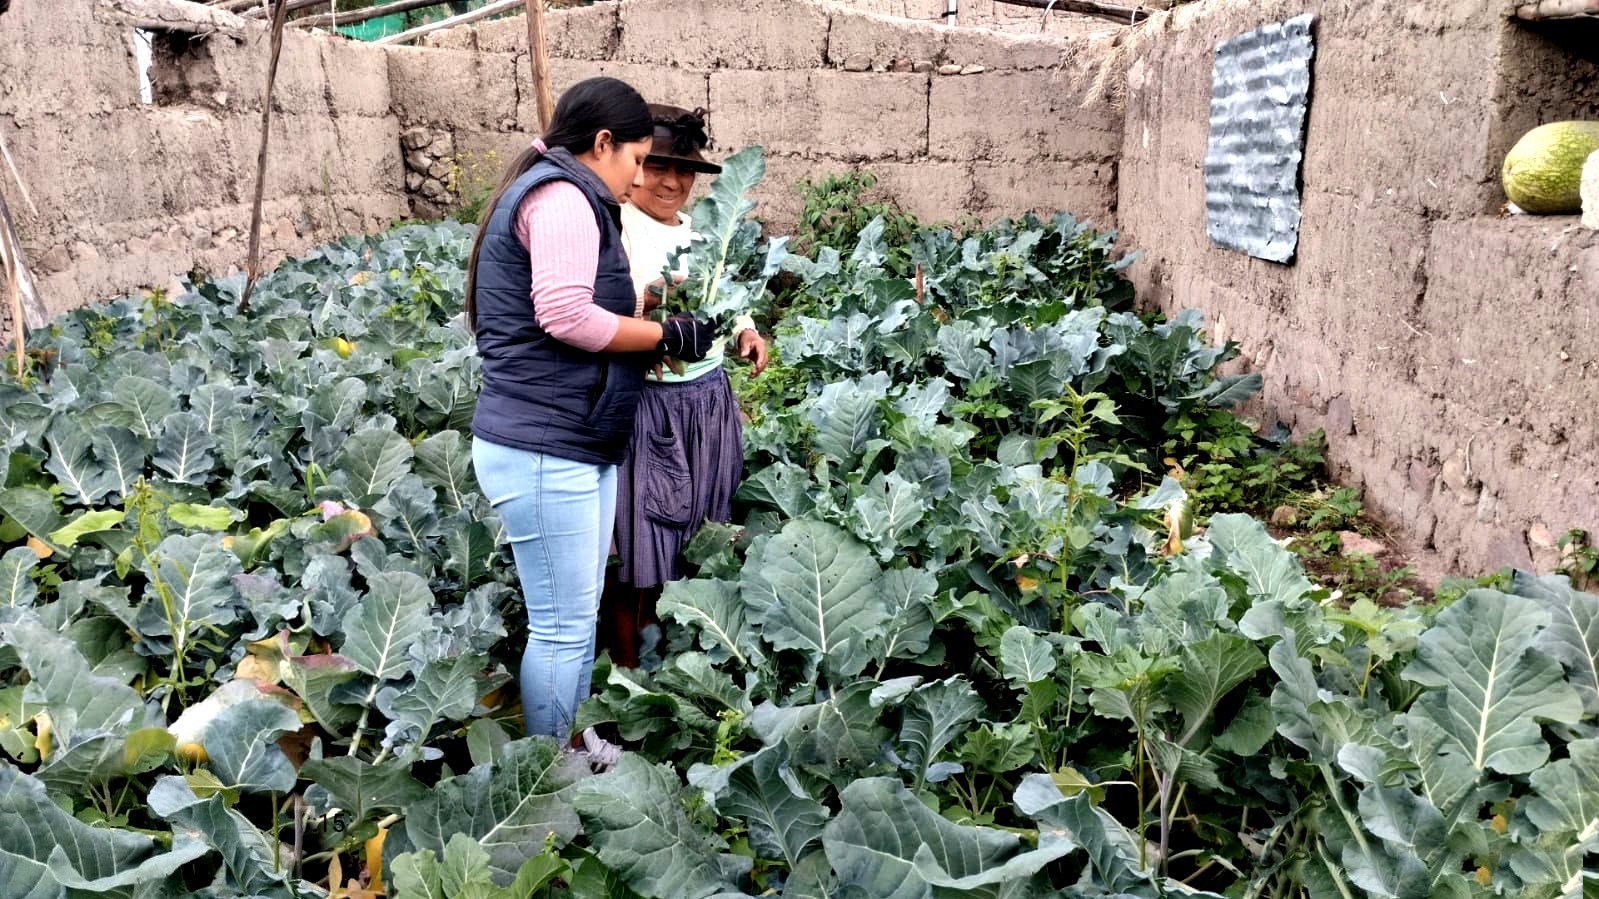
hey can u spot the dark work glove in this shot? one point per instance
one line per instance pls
(687, 338)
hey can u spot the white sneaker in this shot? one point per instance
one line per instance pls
(602, 753)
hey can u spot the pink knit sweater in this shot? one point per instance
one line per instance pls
(556, 225)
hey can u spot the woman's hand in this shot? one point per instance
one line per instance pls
(752, 349)
(655, 293)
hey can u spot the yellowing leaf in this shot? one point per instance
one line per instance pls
(39, 548)
(193, 752)
(1484, 876)
(257, 669)
(1028, 584)
(1500, 825)
(41, 742)
(374, 860)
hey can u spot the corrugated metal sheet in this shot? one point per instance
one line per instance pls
(1260, 94)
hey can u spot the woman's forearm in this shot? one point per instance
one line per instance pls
(634, 335)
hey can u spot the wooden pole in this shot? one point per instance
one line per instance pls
(481, 13)
(253, 260)
(538, 55)
(1126, 15)
(351, 16)
(19, 287)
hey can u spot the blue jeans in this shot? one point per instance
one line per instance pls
(558, 515)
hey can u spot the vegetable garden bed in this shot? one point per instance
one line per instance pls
(255, 624)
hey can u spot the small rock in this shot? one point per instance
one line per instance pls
(1590, 192)
(57, 260)
(857, 64)
(413, 180)
(84, 252)
(439, 170)
(923, 66)
(903, 65)
(284, 232)
(443, 146)
(1358, 544)
(1539, 535)
(1284, 517)
(433, 189)
(949, 69)
(972, 70)
(416, 138)
(418, 161)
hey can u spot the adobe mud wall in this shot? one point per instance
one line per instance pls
(822, 87)
(1448, 351)
(130, 192)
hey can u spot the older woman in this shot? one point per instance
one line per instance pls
(687, 453)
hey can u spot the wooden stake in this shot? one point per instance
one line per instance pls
(538, 54)
(484, 12)
(1126, 15)
(19, 284)
(253, 260)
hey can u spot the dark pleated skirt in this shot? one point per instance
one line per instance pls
(685, 463)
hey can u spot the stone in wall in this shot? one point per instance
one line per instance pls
(430, 167)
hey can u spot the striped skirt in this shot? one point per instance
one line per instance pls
(684, 464)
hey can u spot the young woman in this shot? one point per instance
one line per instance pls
(688, 445)
(551, 300)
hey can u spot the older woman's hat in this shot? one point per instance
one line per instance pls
(680, 137)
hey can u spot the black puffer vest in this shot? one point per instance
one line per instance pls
(538, 393)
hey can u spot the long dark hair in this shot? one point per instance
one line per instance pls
(586, 109)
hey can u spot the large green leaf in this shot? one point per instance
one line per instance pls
(510, 806)
(143, 405)
(1025, 657)
(464, 873)
(1573, 632)
(843, 734)
(909, 630)
(371, 461)
(384, 624)
(888, 844)
(814, 588)
(122, 455)
(1270, 570)
(1210, 670)
(635, 817)
(935, 715)
(251, 859)
(886, 513)
(410, 516)
(847, 416)
(32, 508)
(45, 852)
(783, 818)
(445, 690)
(241, 742)
(361, 789)
(81, 477)
(1491, 687)
(1564, 812)
(445, 461)
(81, 704)
(716, 610)
(17, 589)
(183, 449)
(194, 575)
